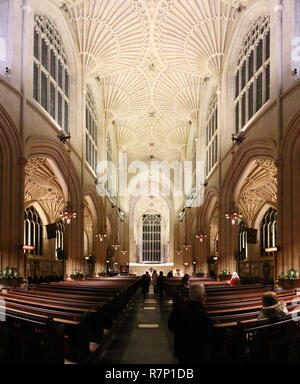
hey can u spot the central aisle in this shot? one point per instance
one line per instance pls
(142, 337)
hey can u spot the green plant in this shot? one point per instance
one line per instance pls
(291, 275)
(76, 272)
(224, 272)
(200, 271)
(102, 272)
(10, 273)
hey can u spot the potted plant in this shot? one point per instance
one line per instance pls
(102, 273)
(200, 273)
(76, 275)
(10, 277)
(291, 280)
(224, 275)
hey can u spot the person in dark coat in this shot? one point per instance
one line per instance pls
(154, 280)
(170, 275)
(145, 283)
(161, 284)
(193, 329)
(185, 281)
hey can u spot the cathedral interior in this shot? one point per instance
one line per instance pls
(140, 136)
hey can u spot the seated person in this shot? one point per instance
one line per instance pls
(193, 329)
(185, 281)
(272, 308)
(235, 279)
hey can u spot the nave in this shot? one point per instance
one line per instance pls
(142, 337)
(142, 135)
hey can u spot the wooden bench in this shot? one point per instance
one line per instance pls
(27, 338)
(264, 341)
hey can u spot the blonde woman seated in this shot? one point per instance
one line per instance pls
(272, 308)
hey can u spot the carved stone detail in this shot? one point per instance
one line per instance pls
(41, 185)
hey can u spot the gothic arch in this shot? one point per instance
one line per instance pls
(210, 201)
(246, 154)
(289, 165)
(249, 151)
(11, 192)
(51, 149)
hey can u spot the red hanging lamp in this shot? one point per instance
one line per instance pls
(233, 215)
(201, 237)
(186, 246)
(68, 214)
(101, 237)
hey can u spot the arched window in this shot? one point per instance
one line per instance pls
(5, 20)
(252, 76)
(268, 231)
(60, 237)
(50, 71)
(33, 230)
(212, 135)
(151, 238)
(243, 241)
(2, 49)
(91, 131)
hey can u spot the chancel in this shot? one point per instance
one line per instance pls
(149, 182)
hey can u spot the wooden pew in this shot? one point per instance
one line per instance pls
(27, 338)
(79, 308)
(76, 324)
(264, 341)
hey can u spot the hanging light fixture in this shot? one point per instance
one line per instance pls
(233, 215)
(201, 237)
(186, 246)
(68, 214)
(101, 237)
(124, 251)
(116, 246)
(179, 251)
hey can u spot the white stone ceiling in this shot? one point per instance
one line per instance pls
(156, 61)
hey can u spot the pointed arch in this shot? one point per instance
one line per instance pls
(11, 191)
(55, 152)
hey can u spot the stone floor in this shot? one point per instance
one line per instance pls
(142, 335)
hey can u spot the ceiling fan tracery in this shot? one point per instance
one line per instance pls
(152, 58)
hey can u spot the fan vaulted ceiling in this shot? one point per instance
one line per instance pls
(156, 61)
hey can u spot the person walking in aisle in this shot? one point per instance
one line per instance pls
(161, 284)
(154, 281)
(145, 283)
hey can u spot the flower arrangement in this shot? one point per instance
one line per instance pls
(224, 272)
(291, 280)
(291, 275)
(200, 273)
(10, 277)
(102, 273)
(77, 274)
(224, 275)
